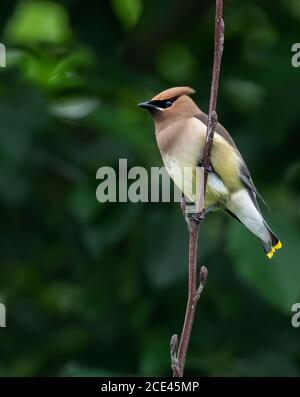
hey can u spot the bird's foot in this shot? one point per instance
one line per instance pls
(199, 216)
(207, 169)
(185, 213)
(195, 216)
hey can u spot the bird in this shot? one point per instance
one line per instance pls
(180, 130)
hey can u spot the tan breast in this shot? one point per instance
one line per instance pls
(181, 145)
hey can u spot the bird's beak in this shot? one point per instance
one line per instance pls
(147, 105)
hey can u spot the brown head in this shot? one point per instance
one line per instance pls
(171, 105)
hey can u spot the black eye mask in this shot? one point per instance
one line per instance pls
(163, 104)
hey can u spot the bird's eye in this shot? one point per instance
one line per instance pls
(168, 103)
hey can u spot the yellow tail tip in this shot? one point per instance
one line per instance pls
(278, 246)
(274, 248)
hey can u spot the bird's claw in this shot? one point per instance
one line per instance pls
(197, 217)
(207, 169)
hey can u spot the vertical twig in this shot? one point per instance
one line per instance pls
(179, 349)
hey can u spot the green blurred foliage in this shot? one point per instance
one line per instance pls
(35, 22)
(98, 289)
(128, 11)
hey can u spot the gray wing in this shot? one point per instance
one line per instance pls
(245, 174)
(247, 180)
(219, 129)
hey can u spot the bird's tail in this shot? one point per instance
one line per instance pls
(273, 245)
(245, 209)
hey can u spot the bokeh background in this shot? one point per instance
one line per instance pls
(98, 289)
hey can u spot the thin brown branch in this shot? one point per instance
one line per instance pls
(212, 114)
(179, 350)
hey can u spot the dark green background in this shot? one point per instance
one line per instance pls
(98, 289)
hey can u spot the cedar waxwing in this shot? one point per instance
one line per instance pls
(180, 128)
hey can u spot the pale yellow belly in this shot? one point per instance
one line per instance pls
(187, 151)
(185, 179)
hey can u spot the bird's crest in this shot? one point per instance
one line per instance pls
(174, 92)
